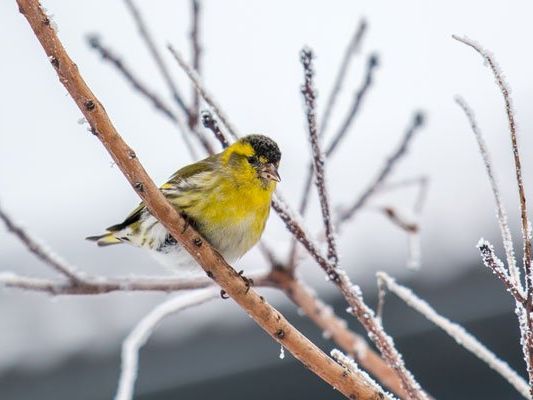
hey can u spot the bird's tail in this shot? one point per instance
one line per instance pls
(107, 239)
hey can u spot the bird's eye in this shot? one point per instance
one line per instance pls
(252, 160)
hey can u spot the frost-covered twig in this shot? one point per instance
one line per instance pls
(416, 124)
(505, 231)
(350, 365)
(351, 49)
(195, 79)
(492, 262)
(144, 329)
(150, 43)
(461, 336)
(309, 95)
(526, 226)
(149, 94)
(42, 251)
(266, 316)
(343, 130)
(196, 58)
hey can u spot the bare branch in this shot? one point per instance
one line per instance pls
(144, 329)
(41, 251)
(195, 79)
(150, 43)
(492, 262)
(308, 92)
(215, 266)
(140, 87)
(417, 122)
(351, 49)
(526, 226)
(461, 336)
(505, 231)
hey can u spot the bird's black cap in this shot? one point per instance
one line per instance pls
(264, 146)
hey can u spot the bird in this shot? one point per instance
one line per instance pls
(226, 197)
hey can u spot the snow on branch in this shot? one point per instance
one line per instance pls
(309, 95)
(144, 329)
(461, 336)
(505, 231)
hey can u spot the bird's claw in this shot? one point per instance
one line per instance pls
(223, 294)
(249, 282)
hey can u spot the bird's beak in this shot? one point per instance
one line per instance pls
(270, 171)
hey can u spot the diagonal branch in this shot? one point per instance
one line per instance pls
(197, 82)
(461, 336)
(150, 43)
(351, 49)
(140, 87)
(417, 122)
(352, 385)
(196, 58)
(42, 252)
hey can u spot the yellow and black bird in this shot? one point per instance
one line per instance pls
(226, 197)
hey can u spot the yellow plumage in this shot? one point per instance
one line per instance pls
(226, 197)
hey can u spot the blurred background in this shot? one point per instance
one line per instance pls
(58, 181)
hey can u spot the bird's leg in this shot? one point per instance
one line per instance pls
(223, 294)
(248, 281)
(188, 221)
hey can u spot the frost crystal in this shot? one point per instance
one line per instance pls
(282, 353)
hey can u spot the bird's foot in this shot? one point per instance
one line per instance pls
(223, 294)
(249, 282)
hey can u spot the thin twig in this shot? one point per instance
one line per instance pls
(150, 43)
(144, 329)
(41, 251)
(492, 262)
(149, 94)
(416, 123)
(309, 95)
(210, 123)
(227, 278)
(197, 82)
(505, 231)
(461, 336)
(196, 58)
(351, 49)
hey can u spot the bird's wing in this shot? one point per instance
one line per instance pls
(179, 184)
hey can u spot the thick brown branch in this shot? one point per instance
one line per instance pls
(351, 385)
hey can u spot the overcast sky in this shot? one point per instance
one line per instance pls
(59, 181)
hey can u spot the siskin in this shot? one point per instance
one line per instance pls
(226, 197)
